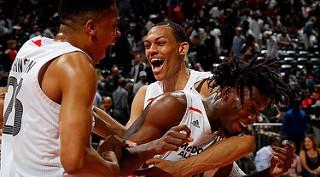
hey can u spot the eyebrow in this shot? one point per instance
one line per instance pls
(157, 38)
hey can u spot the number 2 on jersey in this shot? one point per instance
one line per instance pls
(15, 128)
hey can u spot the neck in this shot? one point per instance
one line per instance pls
(68, 34)
(177, 82)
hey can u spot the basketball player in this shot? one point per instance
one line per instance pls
(166, 47)
(244, 91)
(51, 87)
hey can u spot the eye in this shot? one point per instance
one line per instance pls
(147, 46)
(161, 43)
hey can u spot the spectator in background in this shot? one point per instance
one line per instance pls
(308, 32)
(237, 43)
(272, 44)
(120, 102)
(142, 81)
(310, 157)
(139, 65)
(111, 83)
(295, 124)
(264, 155)
(296, 168)
(106, 105)
(249, 49)
(284, 39)
(11, 50)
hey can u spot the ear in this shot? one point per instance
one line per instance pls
(91, 27)
(183, 48)
(228, 94)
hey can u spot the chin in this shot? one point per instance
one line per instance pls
(158, 77)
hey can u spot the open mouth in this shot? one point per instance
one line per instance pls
(156, 64)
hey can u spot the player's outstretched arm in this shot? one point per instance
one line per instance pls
(217, 155)
(105, 125)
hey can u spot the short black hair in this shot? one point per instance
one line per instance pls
(238, 74)
(69, 9)
(178, 31)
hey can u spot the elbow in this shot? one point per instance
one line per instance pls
(72, 163)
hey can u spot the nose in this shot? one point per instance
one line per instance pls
(153, 50)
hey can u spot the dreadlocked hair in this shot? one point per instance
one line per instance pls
(237, 74)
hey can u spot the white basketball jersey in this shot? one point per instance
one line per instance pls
(156, 88)
(196, 119)
(30, 140)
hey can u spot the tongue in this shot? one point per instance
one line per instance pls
(157, 69)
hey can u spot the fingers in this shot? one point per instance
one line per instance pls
(182, 128)
(130, 143)
(181, 132)
(112, 143)
(172, 140)
(109, 156)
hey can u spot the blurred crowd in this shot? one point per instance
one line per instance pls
(283, 30)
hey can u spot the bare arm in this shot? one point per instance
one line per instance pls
(105, 125)
(218, 155)
(137, 105)
(302, 155)
(158, 139)
(77, 85)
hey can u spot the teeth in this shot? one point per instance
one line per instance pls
(156, 59)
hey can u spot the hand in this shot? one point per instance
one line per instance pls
(173, 139)
(163, 168)
(282, 159)
(112, 143)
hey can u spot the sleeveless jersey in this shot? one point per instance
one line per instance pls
(156, 88)
(196, 119)
(30, 140)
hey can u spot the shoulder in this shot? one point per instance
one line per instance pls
(177, 98)
(74, 66)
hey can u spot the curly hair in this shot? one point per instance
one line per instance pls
(237, 74)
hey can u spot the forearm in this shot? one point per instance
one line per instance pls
(218, 155)
(105, 125)
(94, 165)
(134, 157)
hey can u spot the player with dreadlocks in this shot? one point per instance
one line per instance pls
(244, 91)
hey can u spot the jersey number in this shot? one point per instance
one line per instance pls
(15, 128)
